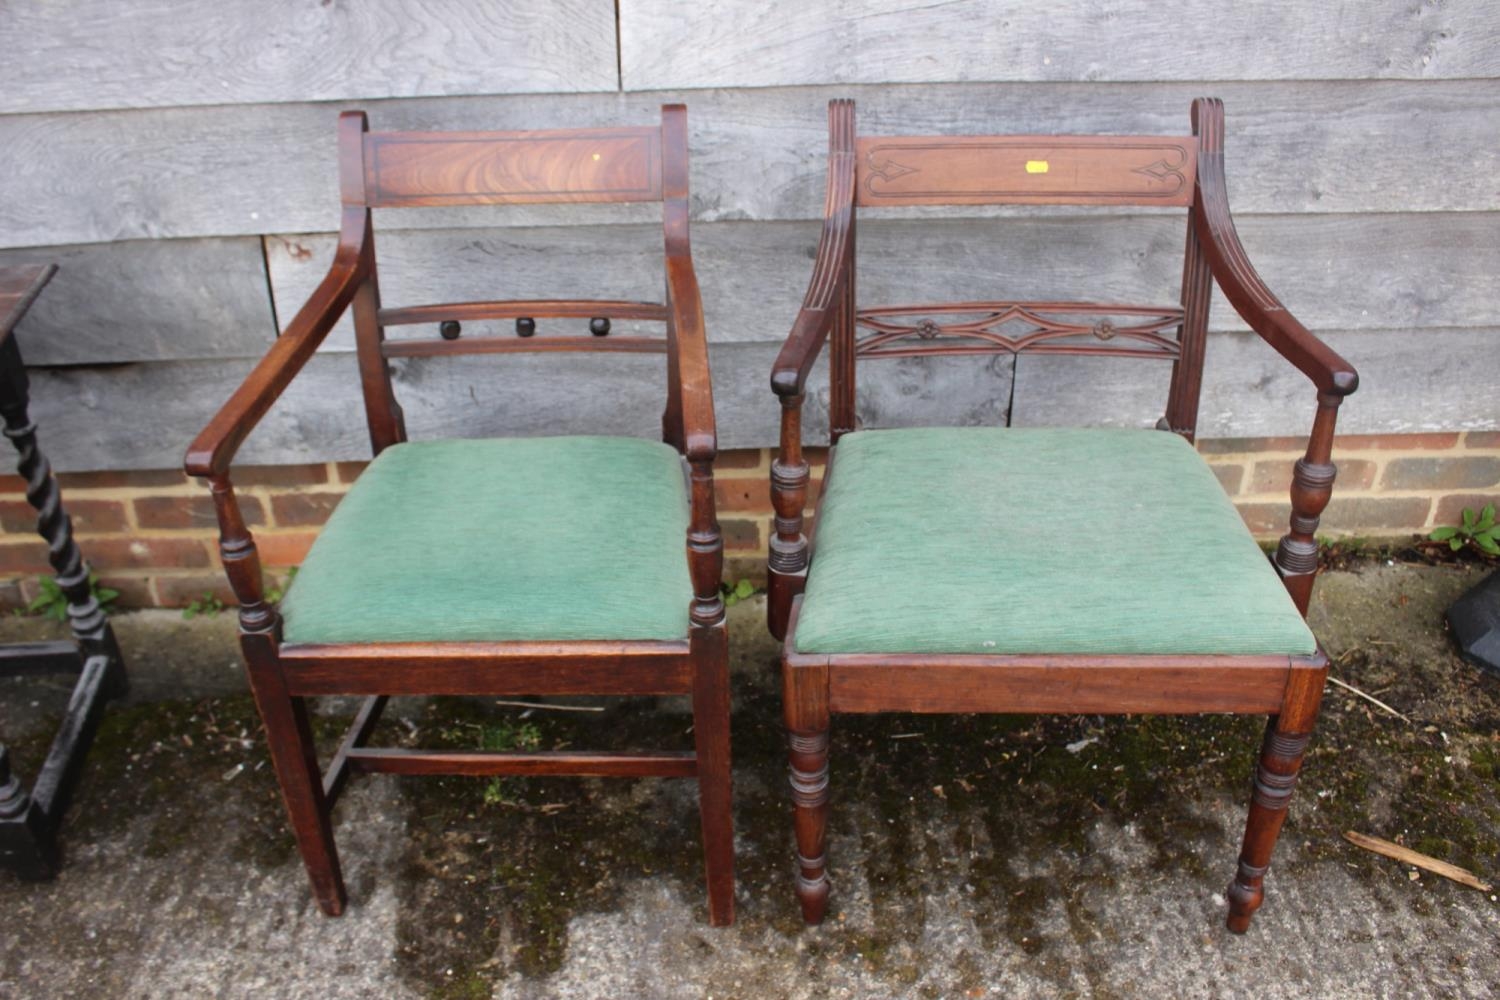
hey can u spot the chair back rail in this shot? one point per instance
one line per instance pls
(1025, 170)
(1103, 170)
(392, 170)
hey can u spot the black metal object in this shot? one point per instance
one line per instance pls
(449, 329)
(525, 326)
(29, 820)
(1475, 620)
(599, 326)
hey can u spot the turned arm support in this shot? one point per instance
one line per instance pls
(1312, 479)
(210, 454)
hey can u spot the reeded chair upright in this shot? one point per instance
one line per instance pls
(951, 572)
(502, 566)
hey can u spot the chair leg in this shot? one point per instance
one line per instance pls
(806, 702)
(289, 735)
(1286, 739)
(715, 793)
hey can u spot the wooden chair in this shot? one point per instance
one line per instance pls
(937, 586)
(543, 566)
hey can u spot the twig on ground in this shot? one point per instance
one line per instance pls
(1368, 697)
(1410, 857)
(550, 707)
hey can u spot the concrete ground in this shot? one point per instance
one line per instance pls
(971, 856)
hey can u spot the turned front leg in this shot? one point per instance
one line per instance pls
(1282, 750)
(1312, 486)
(806, 705)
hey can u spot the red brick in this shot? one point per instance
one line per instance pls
(284, 548)
(180, 591)
(122, 479)
(1450, 509)
(1462, 472)
(279, 475)
(173, 513)
(739, 458)
(146, 553)
(1394, 442)
(304, 509)
(815, 457)
(135, 591)
(1357, 515)
(1240, 446)
(349, 471)
(743, 495)
(24, 558)
(1229, 477)
(740, 536)
(1275, 475)
(19, 517)
(1482, 439)
(13, 484)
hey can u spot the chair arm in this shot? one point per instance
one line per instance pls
(831, 269)
(700, 438)
(215, 446)
(1245, 288)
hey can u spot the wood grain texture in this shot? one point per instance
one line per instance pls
(757, 155)
(89, 54)
(1024, 170)
(1437, 270)
(1411, 381)
(411, 169)
(719, 43)
(148, 300)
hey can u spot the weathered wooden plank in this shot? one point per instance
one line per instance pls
(142, 416)
(1334, 271)
(719, 43)
(148, 300)
(1409, 381)
(757, 155)
(89, 54)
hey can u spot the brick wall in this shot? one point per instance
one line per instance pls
(151, 534)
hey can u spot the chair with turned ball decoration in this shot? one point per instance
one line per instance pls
(503, 566)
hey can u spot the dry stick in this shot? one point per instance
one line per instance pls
(1368, 697)
(1407, 856)
(554, 708)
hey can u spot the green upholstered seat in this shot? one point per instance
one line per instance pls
(502, 540)
(984, 540)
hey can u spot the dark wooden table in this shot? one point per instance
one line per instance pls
(29, 820)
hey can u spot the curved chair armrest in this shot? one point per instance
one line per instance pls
(700, 438)
(215, 446)
(1231, 267)
(833, 263)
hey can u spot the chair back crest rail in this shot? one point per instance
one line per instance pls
(1086, 170)
(393, 170)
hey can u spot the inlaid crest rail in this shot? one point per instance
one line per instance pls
(1025, 169)
(498, 168)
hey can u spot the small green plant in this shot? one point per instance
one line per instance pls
(506, 737)
(51, 602)
(208, 604)
(275, 593)
(1478, 530)
(737, 593)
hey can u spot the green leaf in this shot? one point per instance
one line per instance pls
(1486, 520)
(1469, 519)
(744, 589)
(1488, 544)
(1488, 513)
(1443, 534)
(1456, 544)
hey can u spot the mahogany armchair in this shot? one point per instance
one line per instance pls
(935, 585)
(543, 566)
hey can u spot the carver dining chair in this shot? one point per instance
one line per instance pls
(502, 566)
(943, 578)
